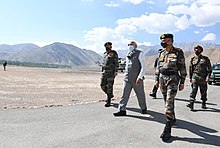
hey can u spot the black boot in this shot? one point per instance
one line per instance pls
(165, 136)
(191, 105)
(120, 113)
(204, 105)
(144, 111)
(108, 102)
(154, 92)
(154, 95)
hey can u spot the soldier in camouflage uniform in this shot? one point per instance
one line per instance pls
(109, 71)
(170, 75)
(199, 72)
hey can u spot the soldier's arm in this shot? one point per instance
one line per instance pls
(182, 67)
(155, 63)
(157, 72)
(116, 61)
(190, 70)
(209, 67)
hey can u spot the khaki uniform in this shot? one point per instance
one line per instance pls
(199, 70)
(109, 67)
(170, 71)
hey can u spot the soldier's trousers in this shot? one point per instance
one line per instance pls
(169, 87)
(139, 91)
(107, 82)
(199, 83)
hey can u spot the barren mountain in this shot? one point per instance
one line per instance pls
(56, 53)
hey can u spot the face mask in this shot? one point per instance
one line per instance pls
(131, 47)
(197, 53)
(107, 48)
(164, 45)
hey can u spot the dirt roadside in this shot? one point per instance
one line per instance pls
(24, 87)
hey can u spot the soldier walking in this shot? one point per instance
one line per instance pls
(109, 71)
(170, 75)
(199, 72)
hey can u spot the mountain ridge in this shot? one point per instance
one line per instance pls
(55, 53)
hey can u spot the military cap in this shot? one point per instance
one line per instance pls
(107, 43)
(168, 35)
(198, 47)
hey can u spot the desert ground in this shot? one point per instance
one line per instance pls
(25, 87)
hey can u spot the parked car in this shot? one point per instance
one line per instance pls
(215, 75)
(122, 64)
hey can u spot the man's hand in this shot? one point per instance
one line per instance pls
(138, 82)
(181, 87)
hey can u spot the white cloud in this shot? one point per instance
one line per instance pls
(209, 37)
(146, 44)
(118, 36)
(150, 2)
(208, 2)
(199, 2)
(196, 32)
(125, 29)
(112, 4)
(98, 36)
(150, 23)
(134, 1)
(201, 14)
(128, 27)
(179, 1)
(180, 15)
(182, 23)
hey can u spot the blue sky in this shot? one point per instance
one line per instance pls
(90, 23)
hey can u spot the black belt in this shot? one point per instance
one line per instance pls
(167, 71)
(108, 68)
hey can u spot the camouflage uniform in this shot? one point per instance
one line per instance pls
(171, 71)
(109, 67)
(199, 69)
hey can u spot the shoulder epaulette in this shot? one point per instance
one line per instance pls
(160, 50)
(178, 49)
(113, 51)
(192, 57)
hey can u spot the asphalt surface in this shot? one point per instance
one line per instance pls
(93, 125)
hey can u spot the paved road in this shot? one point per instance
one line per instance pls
(93, 125)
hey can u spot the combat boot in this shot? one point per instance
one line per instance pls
(152, 94)
(120, 113)
(204, 105)
(108, 102)
(165, 136)
(191, 105)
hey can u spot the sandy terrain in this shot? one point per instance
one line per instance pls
(23, 87)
